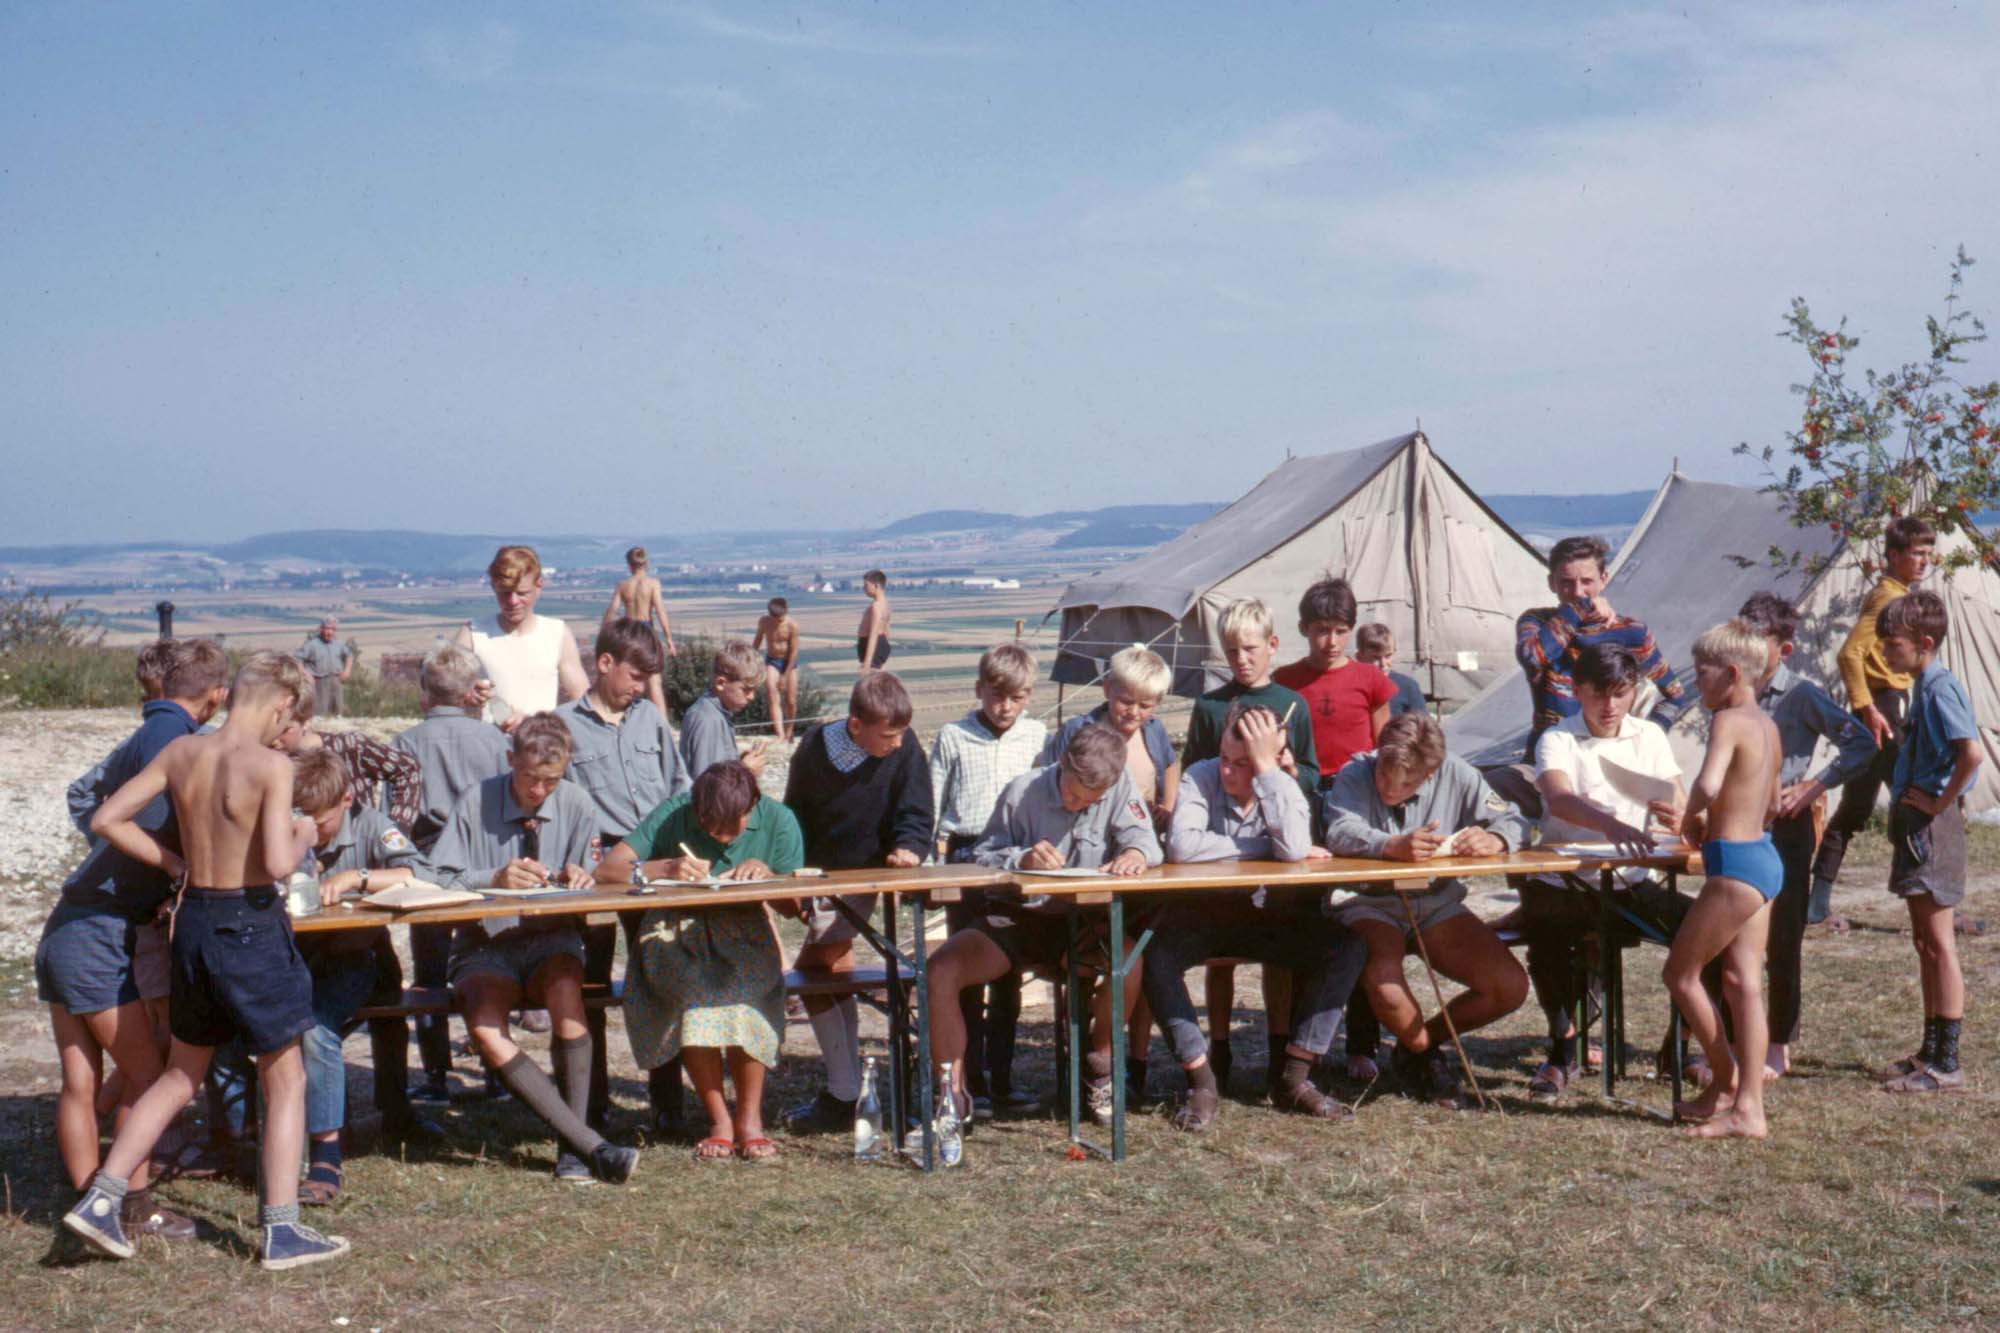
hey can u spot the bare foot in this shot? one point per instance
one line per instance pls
(1737, 1123)
(1710, 1104)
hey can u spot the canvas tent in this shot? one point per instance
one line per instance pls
(1422, 552)
(1680, 572)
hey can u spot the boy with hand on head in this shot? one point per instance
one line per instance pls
(455, 751)
(235, 969)
(1600, 773)
(972, 761)
(1242, 806)
(778, 636)
(707, 987)
(1081, 811)
(93, 966)
(1879, 694)
(1804, 714)
(1375, 644)
(707, 735)
(871, 640)
(623, 756)
(1730, 810)
(862, 795)
(1935, 764)
(1402, 802)
(498, 837)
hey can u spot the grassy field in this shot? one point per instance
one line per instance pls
(1861, 1211)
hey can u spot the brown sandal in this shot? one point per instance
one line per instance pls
(1306, 1099)
(320, 1193)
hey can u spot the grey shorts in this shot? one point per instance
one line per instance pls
(153, 961)
(1928, 854)
(1432, 908)
(825, 925)
(84, 960)
(512, 955)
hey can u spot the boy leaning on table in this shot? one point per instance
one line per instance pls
(1242, 806)
(526, 830)
(1404, 801)
(1080, 812)
(1605, 775)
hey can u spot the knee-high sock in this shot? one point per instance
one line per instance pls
(850, 1018)
(830, 1029)
(572, 1062)
(525, 1079)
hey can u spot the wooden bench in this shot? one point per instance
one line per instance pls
(416, 1001)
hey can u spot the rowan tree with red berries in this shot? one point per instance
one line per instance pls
(1915, 440)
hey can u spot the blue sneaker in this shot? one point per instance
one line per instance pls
(97, 1218)
(291, 1245)
(573, 1169)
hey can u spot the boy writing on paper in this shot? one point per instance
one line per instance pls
(1081, 812)
(1730, 810)
(1402, 802)
(497, 837)
(1605, 776)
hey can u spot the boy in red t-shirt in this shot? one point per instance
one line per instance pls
(1349, 698)
(1349, 702)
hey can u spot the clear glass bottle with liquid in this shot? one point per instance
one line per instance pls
(868, 1117)
(950, 1130)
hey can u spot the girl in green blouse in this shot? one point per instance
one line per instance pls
(708, 984)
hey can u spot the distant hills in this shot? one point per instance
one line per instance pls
(305, 553)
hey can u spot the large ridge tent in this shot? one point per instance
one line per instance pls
(1423, 553)
(1700, 550)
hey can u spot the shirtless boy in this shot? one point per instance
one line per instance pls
(778, 638)
(235, 969)
(1730, 811)
(871, 641)
(638, 597)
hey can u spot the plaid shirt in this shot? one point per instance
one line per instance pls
(970, 767)
(841, 751)
(370, 763)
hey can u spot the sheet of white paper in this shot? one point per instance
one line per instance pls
(539, 891)
(712, 882)
(1604, 851)
(1067, 872)
(413, 894)
(1639, 786)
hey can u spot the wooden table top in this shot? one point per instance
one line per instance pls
(945, 882)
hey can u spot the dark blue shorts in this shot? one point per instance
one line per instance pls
(84, 961)
(237, 972)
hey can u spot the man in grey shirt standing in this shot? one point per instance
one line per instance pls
(1243, 806)
(329, 662)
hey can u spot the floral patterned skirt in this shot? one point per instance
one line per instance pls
(710, 978)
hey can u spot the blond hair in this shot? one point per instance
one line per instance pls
(267, 674)
(1410, 745)
(1007, 667)
(318, 781)
(1246, 618)
(1735, 643)
(513, 566)
(447, 675)
(738, 661)
(543, 738)
(1139, 671)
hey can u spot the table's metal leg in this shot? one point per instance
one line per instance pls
(920, 978)
(899, 1046)
(1116, 981)
(1076, 1030)
(1607, 959)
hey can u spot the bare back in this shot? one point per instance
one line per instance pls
(639, 598)
(233, 800)
(1740, 773)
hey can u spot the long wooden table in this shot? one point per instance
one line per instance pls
(922, 885)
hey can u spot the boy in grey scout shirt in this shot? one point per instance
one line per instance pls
(1243, 806)
(1403, 802)
(456, 751)
(328, 661)
(624, 757)
(707, 736)
(1079, 812)
(517, 832)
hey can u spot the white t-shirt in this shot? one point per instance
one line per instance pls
(1639, 747)
(523, 667)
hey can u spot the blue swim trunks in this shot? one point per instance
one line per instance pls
(1754, 863)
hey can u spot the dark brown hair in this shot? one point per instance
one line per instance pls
(723, 794)
(880, 699)
(1914, 616)
(631, 642)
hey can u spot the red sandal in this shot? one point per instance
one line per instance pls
(759, 1149)
(713, 1150)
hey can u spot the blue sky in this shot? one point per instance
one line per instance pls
(644, 266)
